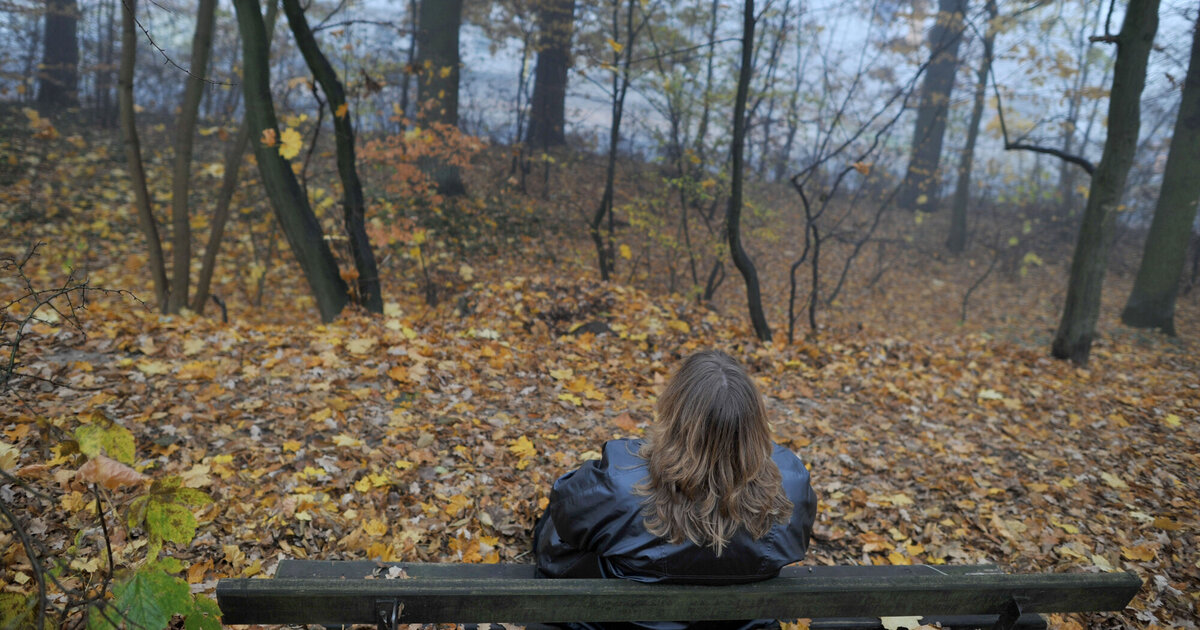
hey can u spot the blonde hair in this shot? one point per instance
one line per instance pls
(709, 457)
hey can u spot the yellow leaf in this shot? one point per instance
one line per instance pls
(615, 45)
(1172, 421)
(290, 143)
(375, 527)
(563, 374)
(361, 345)
(522, 447)
(269, 137)
(1140, 553)
(989, 394)
(625, 252)
(292, 446)
(341, 111)
(862, 167)
(1070, 529)
(153, 368)
(9, 456)
(896, 557)
(466, 272)
(571, 398)
(1114, 481)
(193, 345)
(362, 485)
(1162, 522)
(680, 325)
(345, 440)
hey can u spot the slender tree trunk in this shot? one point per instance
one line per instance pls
(733, 216)
(133, 154)
(548, 115)
(1073, 340)
(291, 206)
(437, 83)
(58, 79)
(229, 182)
(353, 206)
(1152, 302)
(921, 181)
(620, 85)
(181, 232)
(957, 241)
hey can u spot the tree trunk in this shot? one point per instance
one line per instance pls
(957, 241)
(369, 293)
(921, 181)
(1073, 340)
(133, 154)
(1152, 302)
(291, 206)
(437, 83)
(733, 216)
(229, 182)
(58, 78)
(548, 114)
(181, 232)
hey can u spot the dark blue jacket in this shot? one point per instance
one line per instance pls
(593, 527)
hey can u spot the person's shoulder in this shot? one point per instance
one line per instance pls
(791, 468)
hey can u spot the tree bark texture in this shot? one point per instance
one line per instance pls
(733, 215)
(957, 240)
(181, 232)
(229, 182)
(1151, 304)
(133, 154)
(296, 217)
(1073, 339)
(58, 76)
(547, 116)
(369, 293)
(921, 181)
(437, 82)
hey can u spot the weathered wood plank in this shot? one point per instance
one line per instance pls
(343, 569)
(459, 600)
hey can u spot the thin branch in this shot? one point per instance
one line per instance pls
(1079, 161)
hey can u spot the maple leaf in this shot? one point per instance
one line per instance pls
(341, 111)
(290, 143)
(269, 137)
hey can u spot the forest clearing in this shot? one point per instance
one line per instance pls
(400, 371)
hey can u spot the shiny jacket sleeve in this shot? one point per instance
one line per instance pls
(587, 513)
(798, 487)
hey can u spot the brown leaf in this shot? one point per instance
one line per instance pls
(625, 422)
(109, 473)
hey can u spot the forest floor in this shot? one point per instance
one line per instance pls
(433, 433)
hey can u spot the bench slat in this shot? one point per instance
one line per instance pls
(464, 600)
(291, 568)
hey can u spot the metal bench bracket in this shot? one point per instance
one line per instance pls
(1008, 618)
(387, 613)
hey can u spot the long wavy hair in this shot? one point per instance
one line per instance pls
(709, 457)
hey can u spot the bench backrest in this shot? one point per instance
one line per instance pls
(335, 593)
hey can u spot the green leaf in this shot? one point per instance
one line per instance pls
(149, 598)
(192, 496)
(137, 511)
(171, 522)
(112, 439)
(205, 615)
(100, 619)
(166, 565)
(18, 612)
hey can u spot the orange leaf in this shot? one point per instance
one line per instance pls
(625, 422)
(109, 473)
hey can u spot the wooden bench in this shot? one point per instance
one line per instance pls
(333, 593)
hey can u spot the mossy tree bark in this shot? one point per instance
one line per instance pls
(133, 154)
(1151, 304)
(437, 83)
(733, 216)
(957, 240)
(1073, 339)
(295, 215)
(921, 181)
(181, 232)
(547, 115)
(369, 293)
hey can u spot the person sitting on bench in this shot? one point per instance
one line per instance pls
(706, 498)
